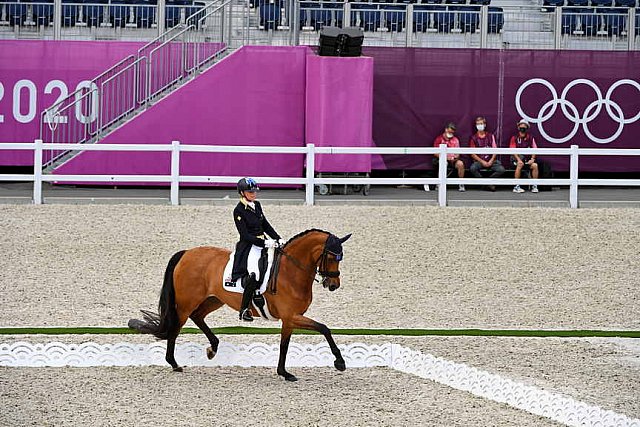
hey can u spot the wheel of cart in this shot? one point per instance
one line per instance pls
(323, 189)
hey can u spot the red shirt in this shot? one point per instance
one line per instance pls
(451, 143)
(488, 140)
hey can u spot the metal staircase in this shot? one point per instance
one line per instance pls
(128, 88)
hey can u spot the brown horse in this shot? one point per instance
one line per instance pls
(193, 289)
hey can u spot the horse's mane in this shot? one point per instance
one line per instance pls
(304, 233)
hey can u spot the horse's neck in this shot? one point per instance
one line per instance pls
(308, 248)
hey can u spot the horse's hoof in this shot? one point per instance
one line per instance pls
(177, 369)
(340, 365)
(210, 353)
(290, 377)
(287, 376)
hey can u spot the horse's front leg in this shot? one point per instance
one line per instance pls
(302, 322)
(285, 337)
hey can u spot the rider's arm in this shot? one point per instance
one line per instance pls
(267, 227)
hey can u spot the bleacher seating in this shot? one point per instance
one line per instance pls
(43, 13)
(270, 14)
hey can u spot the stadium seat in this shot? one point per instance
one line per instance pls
(578, 3)
(601, 2)
(395, 17)
(120, 12)
(369, 18)
(480, 2)
(626, 3)
(145, 13)
(16, 13)
(173, 11)
(496, 19)
(468, 18)
(430, 1)
(615, 20)
(270, 15)
(426, 17)
(570, 20)
(69, 12)
(557, 3)
(93, 11)
(43, 12)
(194, 13)
(456, 1)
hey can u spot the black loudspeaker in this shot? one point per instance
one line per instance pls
(336, 41)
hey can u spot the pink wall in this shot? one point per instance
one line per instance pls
(339, 105)
(256, 96)
(34, 74)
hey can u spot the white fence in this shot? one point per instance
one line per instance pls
(174, 179)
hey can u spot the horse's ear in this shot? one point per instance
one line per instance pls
(345, 238)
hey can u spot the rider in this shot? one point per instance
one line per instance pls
(252, 226)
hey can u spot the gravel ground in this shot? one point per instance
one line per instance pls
(404, 267)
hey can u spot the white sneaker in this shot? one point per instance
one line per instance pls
(461, 188)
(534, 188)
(518, 189)
(426, 187)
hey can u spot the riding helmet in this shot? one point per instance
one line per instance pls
(247, 184)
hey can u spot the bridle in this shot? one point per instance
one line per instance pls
(320, 264)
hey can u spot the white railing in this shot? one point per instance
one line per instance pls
(174, 178)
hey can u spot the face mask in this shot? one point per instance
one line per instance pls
(480, 127)
(448, 135)
(523, 130)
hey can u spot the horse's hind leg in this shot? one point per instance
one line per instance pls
(209, 305)
(170, 358)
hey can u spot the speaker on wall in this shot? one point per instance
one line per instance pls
(336, 41)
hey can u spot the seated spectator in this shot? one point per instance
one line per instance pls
(524, 140)
(484, 139)
(453, 160)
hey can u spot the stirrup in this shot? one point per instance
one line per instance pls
(246, 315)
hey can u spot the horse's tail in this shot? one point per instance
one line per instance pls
(165, 323)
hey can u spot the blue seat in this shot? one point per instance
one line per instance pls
(557, 3)
(456, 1)
(426, 17)
(468, 17)
(93, 11)
(626, 3)
(370, 16)
(601, 2)
(145, 13)
(194, 13)
(578, 3)
(43, 13)
(270, 15)
(481, 2)
(615, 20)
(431, 2)
(173, 11)
(496, 19)
(69, 12)
(16, 13)
(395, 17)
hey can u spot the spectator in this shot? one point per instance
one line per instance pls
(484, 139)
(524, 140)
(453, 160)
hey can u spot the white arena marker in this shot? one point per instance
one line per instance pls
(456, 375)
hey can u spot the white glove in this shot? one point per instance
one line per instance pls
(281, 242)
(270, 243)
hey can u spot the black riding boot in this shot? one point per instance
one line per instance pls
(249, 284)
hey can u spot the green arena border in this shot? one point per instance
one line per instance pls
(242, 330)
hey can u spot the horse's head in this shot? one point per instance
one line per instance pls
(329, 264)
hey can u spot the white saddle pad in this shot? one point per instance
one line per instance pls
(252, 267)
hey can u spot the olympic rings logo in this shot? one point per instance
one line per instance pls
(571, 112)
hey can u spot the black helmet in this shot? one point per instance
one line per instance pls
(247, 184)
